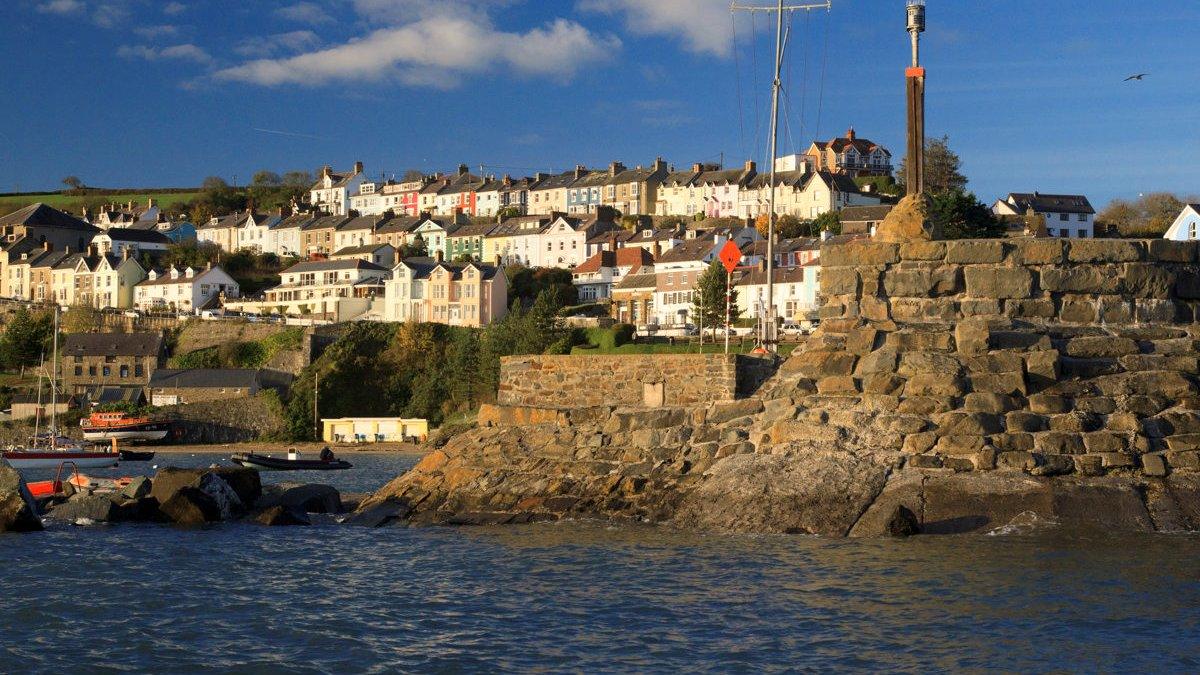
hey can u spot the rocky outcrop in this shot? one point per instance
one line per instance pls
(302, 497)
(908, 221)
(18, 513)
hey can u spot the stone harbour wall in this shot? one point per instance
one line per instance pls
(635, 380)
(958, 386)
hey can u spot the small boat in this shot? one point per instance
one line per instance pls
(102, 426)
(293, 462)
(48, 458)
(136, 456)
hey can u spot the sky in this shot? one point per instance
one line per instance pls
(157, 93)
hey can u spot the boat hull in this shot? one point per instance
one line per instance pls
(144, 433)
(51, 460)
(267, 463)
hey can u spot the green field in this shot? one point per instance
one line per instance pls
(73, 203)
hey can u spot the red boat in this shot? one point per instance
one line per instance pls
(102, 426)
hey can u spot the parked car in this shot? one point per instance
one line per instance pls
(791, 328)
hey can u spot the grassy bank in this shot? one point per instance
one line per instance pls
(73, 203)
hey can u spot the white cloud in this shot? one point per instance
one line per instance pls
(280, 43)
(109, 14)
(702, 25)
(61, 7)
(436, 51)
(304, 12)
(152, 32)
(173, 8)
(184, 52)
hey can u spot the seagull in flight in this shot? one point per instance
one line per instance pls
(1139, 76)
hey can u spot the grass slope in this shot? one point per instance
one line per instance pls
(73, 203)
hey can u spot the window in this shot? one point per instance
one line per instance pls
(1082, 234)
(1083, 217)
(1064, 233)
(138, 370)
(1064, 216)
(107, 372)
(124, 371)
(91, 371)
(78, 371)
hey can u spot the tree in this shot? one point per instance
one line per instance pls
(412, 175)
(1147, 216)
(786, 226)
(960, 215)
(885, 185)
(73, 182)
(508, 212)
(219, 197)
(942, 166)
(708, 297)
(80, 319)
(413, 249)
(830, 220)
(26, 338)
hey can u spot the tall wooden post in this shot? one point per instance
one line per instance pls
(914, 163)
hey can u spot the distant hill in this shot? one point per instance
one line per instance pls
(73, 201)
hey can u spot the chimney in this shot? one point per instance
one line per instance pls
(47, 246)
(612, 241)
(326, 170)
(462, 169)
(615, 168)
(697, 167)
(151, 203)
(659, 164)
(91, 250)
(425, 215)
(124, 253)
(749, 166)
(497, 260)
(358, 167)
(850, 133)
(826, 234)
(580, 170)
(507, 181)
(657, 249)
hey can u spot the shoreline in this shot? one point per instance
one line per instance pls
(306, 448)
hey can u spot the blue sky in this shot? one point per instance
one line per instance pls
(143, 93)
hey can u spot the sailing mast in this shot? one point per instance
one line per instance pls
(768, 337)
(54, 386)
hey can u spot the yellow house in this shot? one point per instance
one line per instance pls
(374, 430)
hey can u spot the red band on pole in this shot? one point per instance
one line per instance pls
(914, 72)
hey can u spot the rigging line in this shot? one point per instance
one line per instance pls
(804, 78)
(821, 86)
(754, 79)
(741, 101)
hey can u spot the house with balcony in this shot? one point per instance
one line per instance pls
(457, 294)
(337, 290)
(185, 290)
(850, 155)
(117, 240)
(331, 193)
(516, 241)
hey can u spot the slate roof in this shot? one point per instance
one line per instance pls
(398, 224)
(204, 378)
(519, 225)
(324, 223)
(164, 278)
(839, 144)
(555, 181)
(1043, 203)
(865, 213)
(782, 275)
(142, 236)
(692, 249)
(112, 344)
(42, 215)
(331, 265)
(359, 250)
(339, 179)
(633, 281)
(633, 257)
(478, 230)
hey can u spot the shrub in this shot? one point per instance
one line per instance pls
(623, 334)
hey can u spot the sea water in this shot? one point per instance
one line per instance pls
(588, 597)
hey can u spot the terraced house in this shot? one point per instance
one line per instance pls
(27, 229)
(331, 193)
(110, 366)
(467, 242)
(185, 290)
(458, 294)
(334, 289)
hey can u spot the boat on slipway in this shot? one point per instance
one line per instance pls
(103, 426)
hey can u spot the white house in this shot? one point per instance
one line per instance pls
(596, 276)
(254, 234)
(795, 295)
(340, 289)
(283, 238)
(1187, 224)
(563, 243)
(1066, 215)
(184, 290)
(331, 192)
(117, 240)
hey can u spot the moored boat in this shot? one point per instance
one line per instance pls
(136, 455)
(293, 462)
(48, 458)
(102, 426)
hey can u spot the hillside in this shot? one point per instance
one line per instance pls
(72, 203)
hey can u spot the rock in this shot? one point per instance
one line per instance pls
(903, 523)
(96, 508)
(18, 513)
(908, 221)
(144, 510)
(307, 497)
(227, 501)
(190, 506)
(244, 481)
(280, 515)
(824, 494)
(139, 487)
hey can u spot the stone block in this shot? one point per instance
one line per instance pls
(996, 362)
(881, 383)
(1116, 460)
(979, 307)
(1096, 405)
(923, 250)
(1011, 383)
(1021, 420)
(1103, 346)
(1149, 280)
(1154, 466)
(909, 340)
(934, 384)
(1180, 363)
(1021, 461)
(925, 462)
(1167, 250)
(1089, 465)
(998, 282)
(922, 282)
(837, 385)
(958, 464)
(972, 335)
(1075, 422)
(1077, 309)
(1180, 345)
(731, 410)
(1166, 383)
(924, 310)
(1188, 460)
(1103, 251)
(1041, 251)
(916, 363)
(1042, 367)
(920, 443)
(1023, 340)
(1013, 442)
(862, 340)
(925, 405)
(1092, 279)
(968, 424)
(873, 308)
(860, 252)
(1104, 441)
(1058, 443)
(819, 364)
(974, 251)
(878, 362)
(959, 445)
(985, 459)
(839, 281)
(1039, 308)
(989, 402)
(1045, 404)
(1116, 310)
(1155, 310)
(1053, 465)
(1183, 442)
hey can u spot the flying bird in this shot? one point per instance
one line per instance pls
(1136, 77)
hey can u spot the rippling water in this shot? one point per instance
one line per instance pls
(586, 597)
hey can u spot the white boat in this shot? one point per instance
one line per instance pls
(38, 458)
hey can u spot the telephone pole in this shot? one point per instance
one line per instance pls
(768, 337)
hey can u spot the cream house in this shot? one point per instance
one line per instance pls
(185, 290)
(331, 193)
(458, 294)
(336, 289)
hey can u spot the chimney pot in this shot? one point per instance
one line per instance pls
(358, 167)
(850, 133)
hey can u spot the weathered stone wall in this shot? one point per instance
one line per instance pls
(228, 421)
(580, 381)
